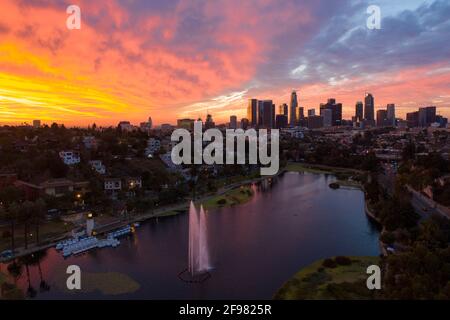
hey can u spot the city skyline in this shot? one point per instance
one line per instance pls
(178, 59)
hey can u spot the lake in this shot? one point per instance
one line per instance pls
(254, 247)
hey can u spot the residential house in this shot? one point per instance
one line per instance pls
(70, 157)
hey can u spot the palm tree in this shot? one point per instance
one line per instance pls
(36, 259)
(15, 270)
(26, 212)
(31, 292)
(38, 215)
(13, 214)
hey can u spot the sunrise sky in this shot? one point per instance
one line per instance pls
(170, 59)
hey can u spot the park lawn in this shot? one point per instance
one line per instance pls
(230, 198)
(47, 231)
(316, 168)
(316, 282)
(223, 182)
(169, 213)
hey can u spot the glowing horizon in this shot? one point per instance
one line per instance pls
(181, 58)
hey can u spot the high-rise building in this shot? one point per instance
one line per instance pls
(233, 122)
(293, 111)
(412, 119)
(336, 111)
(244, 123)
(315, 122)
(427, 116)
(391, 114)
(209, 123)
(36, 123)
(359, 111)
(284, 109)
(381, 118)
(327, 115)
(301, 113)
(369, 108)
(150, 123)
(442, 121)
(281, 121)
(266, 110)
(311, 112)
(252, 112)
(273, 116)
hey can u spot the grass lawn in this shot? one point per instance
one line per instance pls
(230, 198)
(169, 213)
(316, 282)
(316, 168)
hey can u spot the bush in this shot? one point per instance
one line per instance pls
(6, 234)
(387, 237)
(329, 263)
(343, 261)
(221, 202)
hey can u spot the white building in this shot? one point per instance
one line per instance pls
(113, 184)
(70, 157)
(98, 166)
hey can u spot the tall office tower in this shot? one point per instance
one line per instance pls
(252, 112)
(273, 115)
(311, 112)
(382, 118)
(391, 114)
(260, 111)
(301, 113)
(293, 111)
(327, 115)
(244, 123)
(281, 121)
(284, 110)
(369, 108)
(150, 122)
(266, 112)
(359, 111)
(412, 119)
(209, 123)
(315, 122)
(336, 111)
(427, 116)
(233, 122)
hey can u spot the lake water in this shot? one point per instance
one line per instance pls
(254, 247)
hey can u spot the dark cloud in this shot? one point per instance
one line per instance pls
(407, 39)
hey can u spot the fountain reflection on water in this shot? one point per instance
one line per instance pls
(198, 261)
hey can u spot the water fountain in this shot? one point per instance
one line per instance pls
(198, 261)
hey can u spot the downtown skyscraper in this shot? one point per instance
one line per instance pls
(252, 112)
(359, 111)
(369, 109)
(293, 109)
